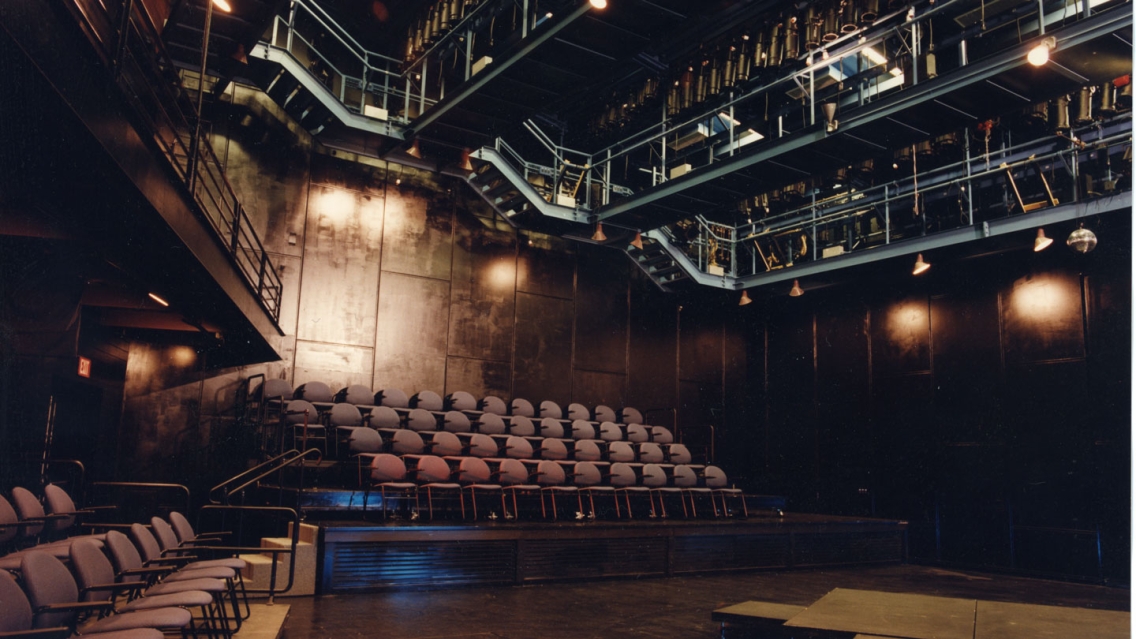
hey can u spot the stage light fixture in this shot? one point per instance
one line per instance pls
(599, 236)
(745, 299)
(1039, 55)
(638, 241)
(223, 5)
(796, 291)
(598, 4)
(920, 266)
(1042, 242)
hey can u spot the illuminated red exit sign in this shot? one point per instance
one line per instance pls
(84, 367)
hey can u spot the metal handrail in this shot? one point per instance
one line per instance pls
(260, 512)
(137, 484)
(258, 472)
(131, 47)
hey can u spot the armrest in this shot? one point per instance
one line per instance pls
(77, 606)
(42, 633)
(149, 570)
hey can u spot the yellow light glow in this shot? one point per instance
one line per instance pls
(599, 4)
(1039, 55)
(156, 298)
(223, 5)
(920, 266)
(183, 356)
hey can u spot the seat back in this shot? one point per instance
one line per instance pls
(27, 506)
(586, 450)
(661, 435)
(426, 399)
(8, 521)
(421, 420)
(521, 426)
(91, 568)
(122, 552)
(652, 476)
(314, 392)
(650, 453)
(582, 429)
(551, 427)
(620, 452)
(714, 477)
(549, 408)
(621, 475)
(684, 476)
(553, 449)
(490, 424)
(182, 528)
(47, 582)
(604, 414)
(678, 454)
(387, 468)
(407, 442)
(356, 394)
(164, 533)
(630, 415)
(511, 472)
(384, 417)
(481, 445)
(431, 468)
(578, 411)
(456, 422)
(59, 503)
(473, 470)
(586, 473)
(445, 443)
(345, 415)
(364, 440)
(610, 432)
(518, 448)
(549, 473)
(297, 410)
(16, 612)
(392, 397)
(493, 404)
(460, 400)
(273, 389)
(522, 408)
(147, 545)
(638, 433)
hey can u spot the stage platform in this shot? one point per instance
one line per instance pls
(359, 556)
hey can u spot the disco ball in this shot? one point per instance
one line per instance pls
(1082, 240)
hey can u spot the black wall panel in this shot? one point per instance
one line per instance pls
(546, 266)
(542, 368)
(700, 344)
(653, 356)
(591, 388)
(601, 310)
(482, 291)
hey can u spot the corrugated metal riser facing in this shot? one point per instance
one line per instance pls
(838, 548)
(712, 553)
(366, 565)
(551, 559)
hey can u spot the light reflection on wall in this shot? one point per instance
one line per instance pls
(335, 206)
(501, 275)
(183, 356)
(907, 325)
(1042, 299)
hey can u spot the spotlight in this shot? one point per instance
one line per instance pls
(829, 109)
(415, 151)
(796, 291)
(638, 241)
(465, 164)
(1082, 240)
(223, 5)
(1042, 242)
(745, 299)
(920, 265)
(598, 4)
(156, 298)
(599, 236)
(1039, 55)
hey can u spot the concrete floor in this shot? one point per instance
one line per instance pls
(675, 608)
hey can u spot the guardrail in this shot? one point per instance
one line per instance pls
(131, 48)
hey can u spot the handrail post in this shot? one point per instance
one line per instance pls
(196, 140)
(123, 35)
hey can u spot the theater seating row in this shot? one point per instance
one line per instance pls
(109, 585)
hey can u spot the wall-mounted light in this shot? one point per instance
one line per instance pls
(1042, 242)
(920, 266)
(638, 241)
(599, 236)
(745, 299)
(1039, 55)
(223, 5)
(796, 291)
(158, 299)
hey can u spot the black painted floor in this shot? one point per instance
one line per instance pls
(674, 608)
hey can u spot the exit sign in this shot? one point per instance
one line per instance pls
(84, 367)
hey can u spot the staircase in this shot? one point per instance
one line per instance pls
(521, 192)
(656, 261)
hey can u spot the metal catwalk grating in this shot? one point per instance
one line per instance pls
(376, 565)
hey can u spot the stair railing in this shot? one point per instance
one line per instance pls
(223, 493)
